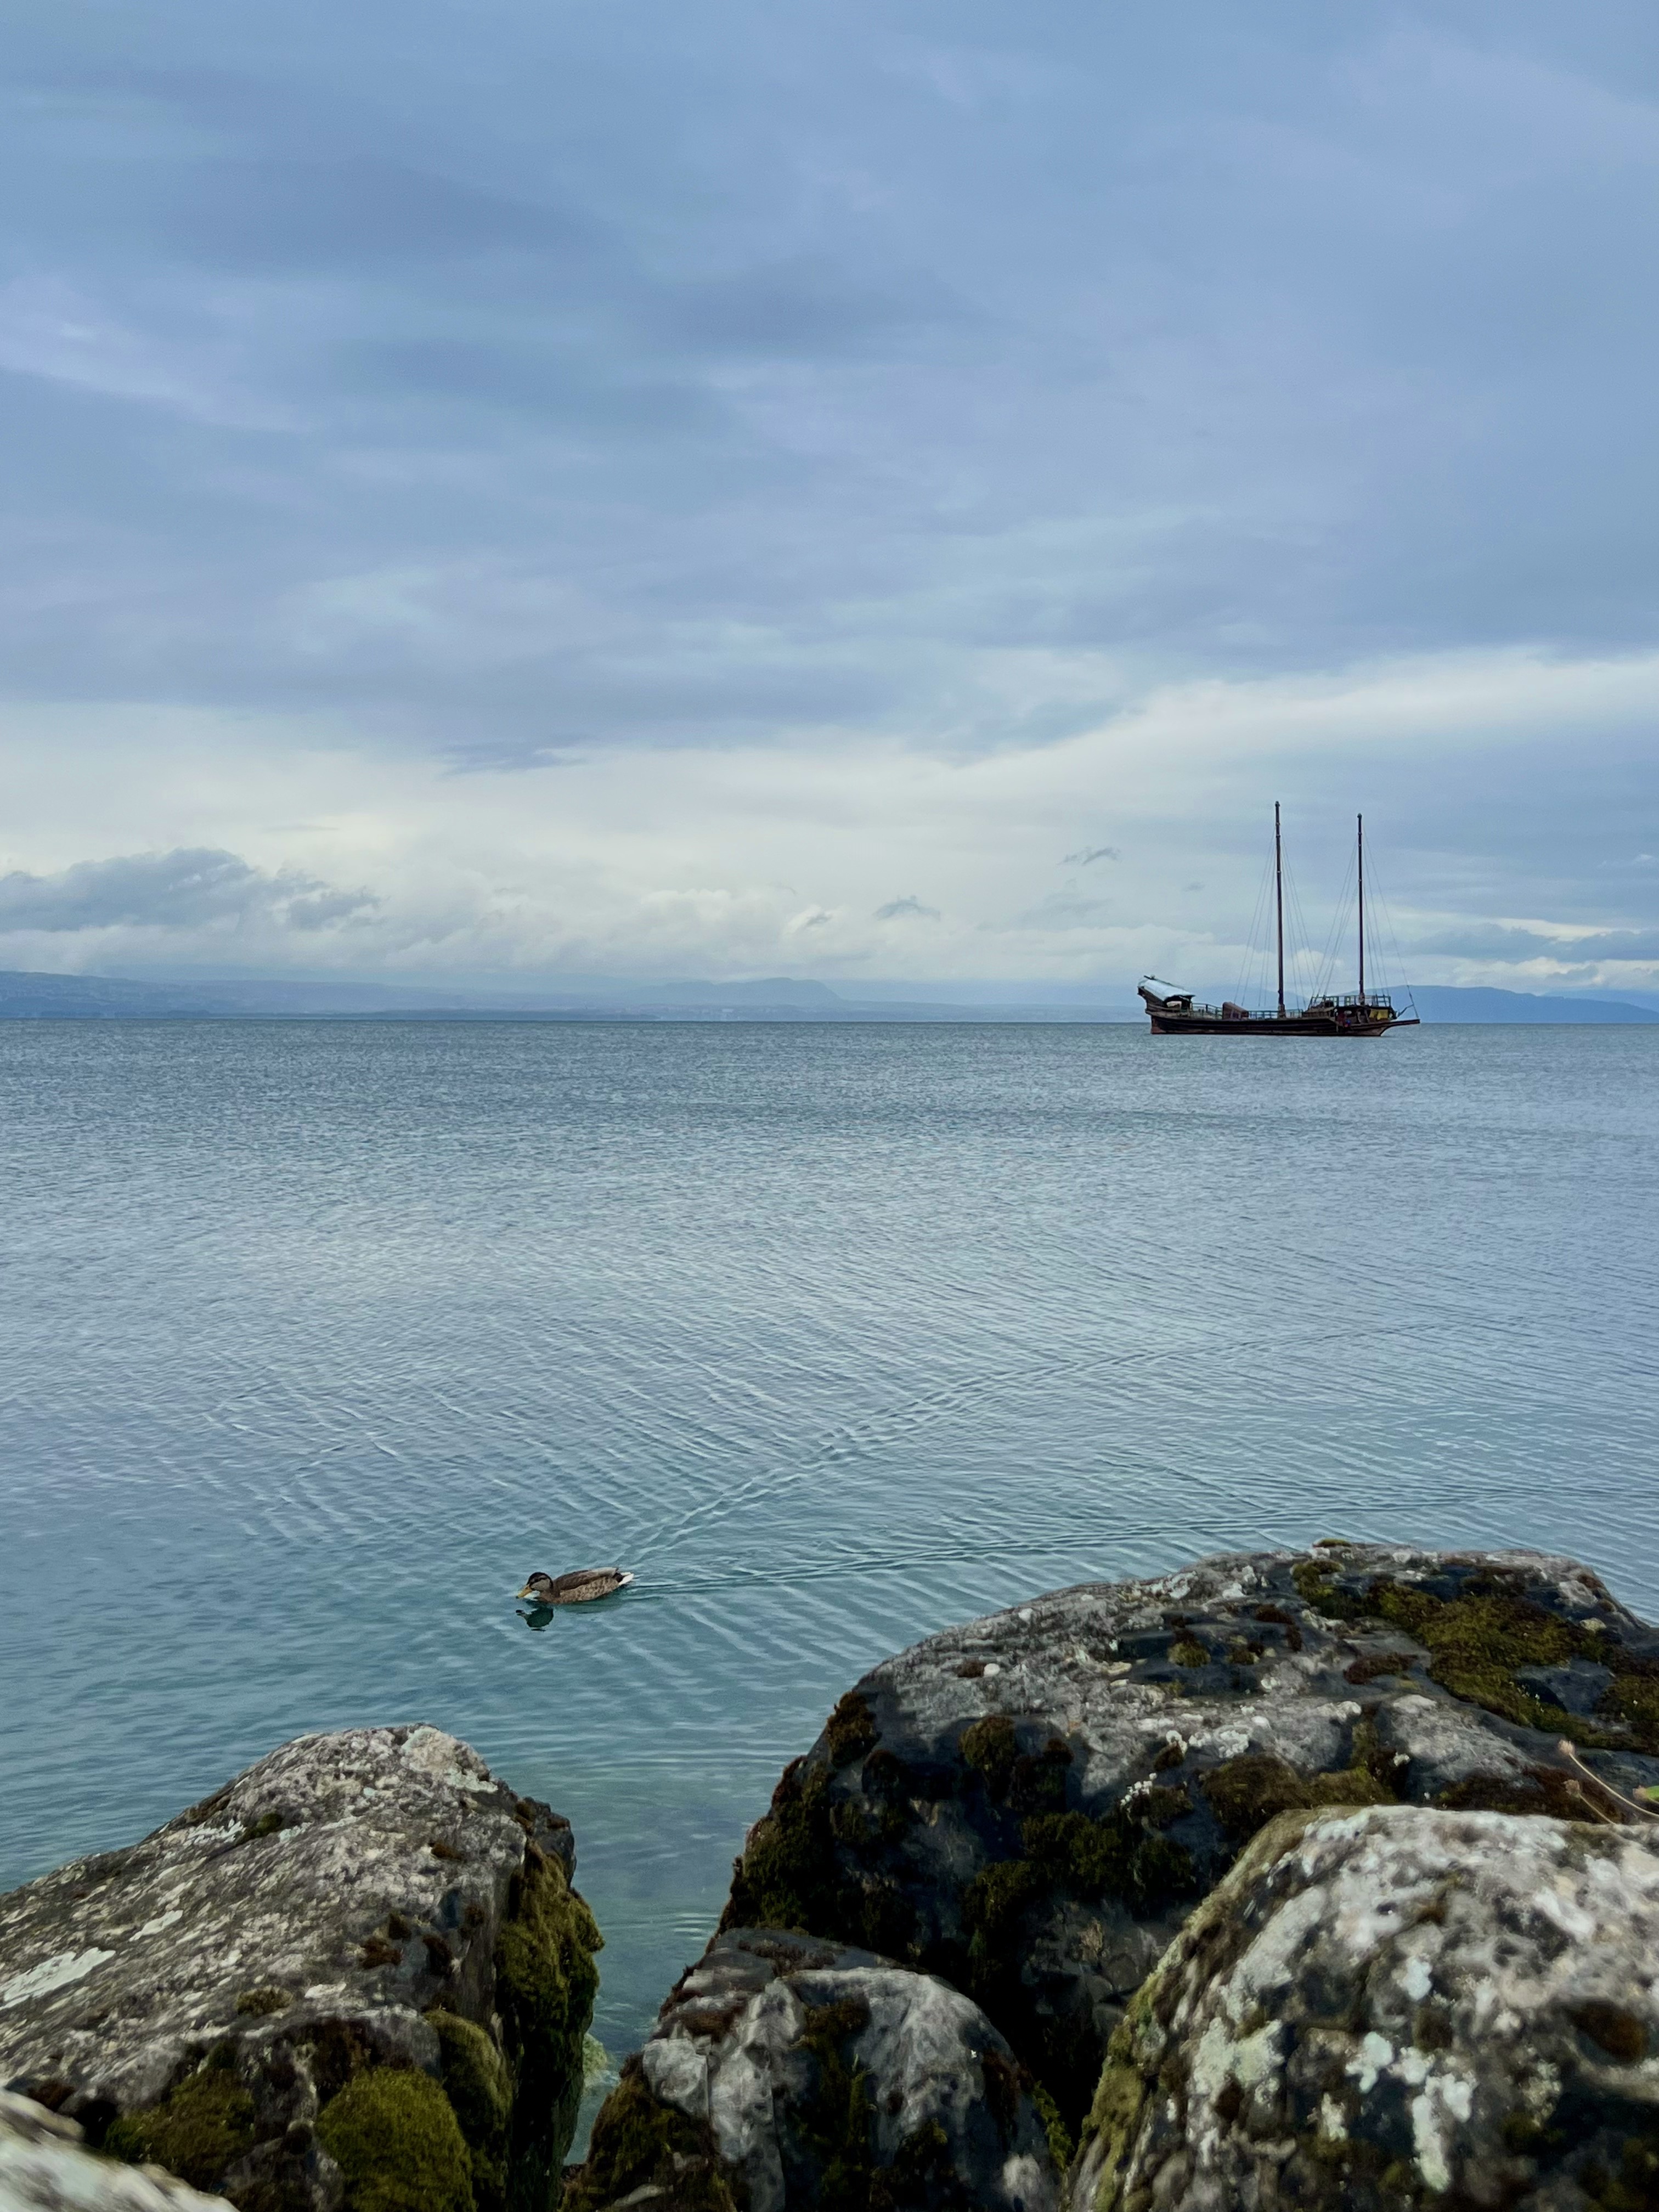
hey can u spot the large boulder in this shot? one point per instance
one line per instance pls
(44, 2169)
(1030, 1806)
(1395, 2007)
(783, 2071)
(361, 1958)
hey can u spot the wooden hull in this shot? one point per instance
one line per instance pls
(1291, 1025)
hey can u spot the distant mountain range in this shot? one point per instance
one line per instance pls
(1440, 1002)
(28, 996)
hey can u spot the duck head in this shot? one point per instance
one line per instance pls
(538, 1588)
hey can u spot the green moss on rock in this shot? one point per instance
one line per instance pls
(640, 2144)
(990, 1748)
(545, 1983)
(1478, 1642)
(1247, 1792)
(1115, 2118)
(479, 2087)
(787, 1876)
(1480, 1636)
(255, 2003)
(200, 2128)
(1120, 1856)
(1315, 1585)
(790, 1875)
(836, 2120)
(1061, 2148)
(851, 1729)
(1037, 1784)
(396, 2140)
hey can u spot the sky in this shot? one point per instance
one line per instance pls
(504, 491)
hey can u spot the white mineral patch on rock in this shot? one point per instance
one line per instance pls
(40, 1981)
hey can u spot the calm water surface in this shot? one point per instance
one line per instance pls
(315, 1339)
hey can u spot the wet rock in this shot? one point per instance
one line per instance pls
(1392, 2008)
(783, 2071)
(44, 2169)
(363, 1956)
(1030, 1806)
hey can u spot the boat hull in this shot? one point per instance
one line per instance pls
(1291, 1025)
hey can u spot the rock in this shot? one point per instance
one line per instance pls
(783, 2071)
(1030, 1806)
(362, 1955)
(43, 2168)
(1392, 2007)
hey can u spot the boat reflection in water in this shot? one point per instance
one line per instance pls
(1356, 1014)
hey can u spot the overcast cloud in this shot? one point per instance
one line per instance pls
(847, 490)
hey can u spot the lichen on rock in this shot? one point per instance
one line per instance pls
(785, 2072)
(1030, 1805)
(364, 1932)
(1390, 2009)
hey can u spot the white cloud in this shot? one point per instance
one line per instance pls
(284, 843)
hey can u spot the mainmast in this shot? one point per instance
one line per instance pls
(1359, 852)
(1279, 906)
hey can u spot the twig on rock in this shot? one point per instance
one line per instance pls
(1570, 1752)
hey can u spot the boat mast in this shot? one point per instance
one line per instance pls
(1359, 852)
(1279, 905)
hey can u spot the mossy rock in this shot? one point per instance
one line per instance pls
(395, 2137)
(200, 2128)
(480, 2086)
(836, 2121)
(1040, 1802)
(1482, 1632)
(546, 1985)
(1248, 1792)
(871, 2101)
(640, 2144)
(1206, 2096)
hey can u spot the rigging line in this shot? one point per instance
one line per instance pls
(1379, 905)
(1301, 951)
(1339, 933)
(1249, 965)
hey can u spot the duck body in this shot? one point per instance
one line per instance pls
(582, 1586)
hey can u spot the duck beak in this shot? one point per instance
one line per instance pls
(524, 1592)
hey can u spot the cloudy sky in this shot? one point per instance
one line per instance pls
(511, 490)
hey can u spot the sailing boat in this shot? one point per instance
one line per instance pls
(1359, 1013)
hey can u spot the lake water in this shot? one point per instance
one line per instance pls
(316, 1338)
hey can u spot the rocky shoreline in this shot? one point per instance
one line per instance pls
(1317, 1879)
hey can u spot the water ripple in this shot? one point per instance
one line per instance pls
(317, 1338)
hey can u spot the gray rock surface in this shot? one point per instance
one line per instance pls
(365, 1937)
(783, 2071)
(1030, 1806)
(1393, 2008)
(44, 2169)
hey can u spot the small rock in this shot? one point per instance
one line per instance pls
(364, 1940)
(1393, 2007)
(785, 2072)
(44, 2169)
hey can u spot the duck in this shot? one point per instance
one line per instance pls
(580, 1587)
